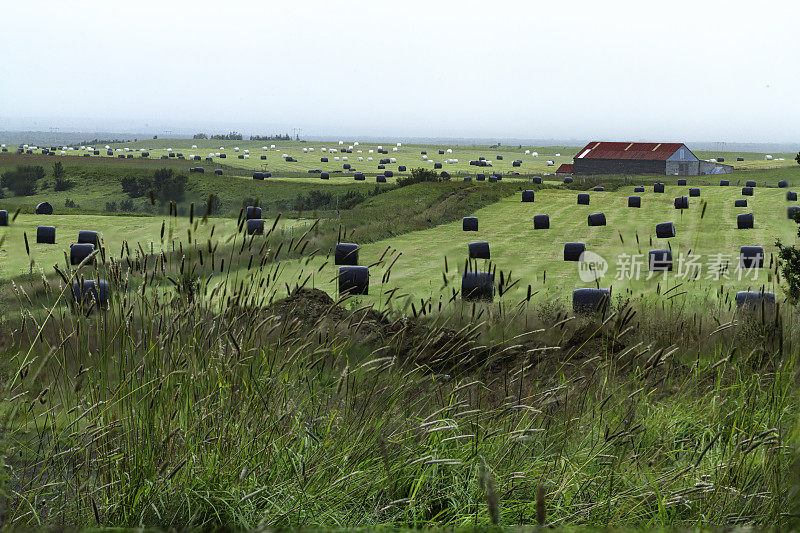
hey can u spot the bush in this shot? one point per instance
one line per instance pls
(789, 263)
(165, 184)
(126, 206)
(61, 183)
(213, 206)
(22, 180)
(418, 175)
(111, 207)
(70, 203)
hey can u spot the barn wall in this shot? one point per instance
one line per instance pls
(690, 168)
(619, 166)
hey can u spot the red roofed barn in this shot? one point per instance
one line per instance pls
(642, 158)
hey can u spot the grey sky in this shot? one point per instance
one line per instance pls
(683, 70)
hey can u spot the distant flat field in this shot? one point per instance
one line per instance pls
(535, 257)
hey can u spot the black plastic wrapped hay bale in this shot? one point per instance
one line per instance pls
(783, 184)
(109, 152)
(750, 183)
(353, 280)
(252, 212)
(492, 179)
(222, 156)
(745, 221)
(441, 152)
(479, 250)
(477, 286)
(598, 189)
(255, 226)
(583, 198)
(665, 230)
(658, 187)
(46, 234)
(682, 202)
(91, 292)
(480, 177)
(162, 157)
(590, 300)
(541, 221)
(437, 166)
(573, 251)
(44, 208)
(241, 156)
(263, 158)
(121, 156)
(695, 192)
(793, 212)
(747, 191)
(380, 178)
(537, 180)
(724, 183)
(86, 236)
(755, 300)
(720, 160)
(634, 201)
(145, 154)
(79, 252)
(467, 178)
(323, 159)
(218, 172)
(516, 164)
(638, 189)
(381, 167)
(97, 152)
(751, 257)
(345, 253)
(423, 152)
(660, 261)
(791, 196)
(469, 223)
(358, 176)
(568, 180)
(390, 174)
(346, 166)
(682, 181)
(597, 219)
(742, 202)
(3, 217)
(740, 158)
(499, 158)
(527, 196)
(258, 175)
(401, 168)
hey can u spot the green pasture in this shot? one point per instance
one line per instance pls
(535, 257)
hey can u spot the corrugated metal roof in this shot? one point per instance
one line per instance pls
(565, 168)
(628, 150)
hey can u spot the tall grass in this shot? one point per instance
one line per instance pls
(194, 401)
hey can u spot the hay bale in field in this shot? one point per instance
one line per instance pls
(44, 208)
(401, 168)
(492, 179)
(682, 181)
(441, 152)
(745, 221)
(263, 158)
(79, 252)
(171, 154)
(469, 224)
(3, 217)
(109, 152)
(88, 237)
(201, 170)
(537, 180)
(740, 203)
(252, 211)
(390, 174)
(499, 158)
(747, 191)
(267, 174)
(345, 253)
(480, 177)
(323, 159)
(541, 221)
(755, 301)
(359, 176)
(665, 230)
(782, 184)
(381, 167)
(467, 178)
(516, 163)
(90, 292)
(550, 163)
(241, 156)
(255, 226)
(573, 251)
(46, 234)
(791, 196)
(583, 198)
(720, 160)
(658, 187)
(324, 176)
(437, 165)
(590, 300)
(751, 257)
(478, 250)
(682, 202)
(222, 156)
(750, 183)
(694, 192)
(424, 152)
(598, 189)
(527, 196)
(660, 261)
(793, 212)
(121, 156)
(218, 172)
(353, 280)
(346, 166)
(477, 286)
(258, 175)
(597, 219)
(740, 159)
(638, 189)
(568, 180)
(634, 201)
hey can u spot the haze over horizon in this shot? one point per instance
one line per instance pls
(571, 70)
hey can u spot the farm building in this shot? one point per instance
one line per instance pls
(565, 169)
(643, 158)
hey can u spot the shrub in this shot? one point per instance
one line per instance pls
(165, 184)
(61, 183)
(111, 207)
(126, 206)
(418, 175)
(70, 203)
(22, 180)
(789, 263)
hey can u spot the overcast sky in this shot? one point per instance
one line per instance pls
(601, 69)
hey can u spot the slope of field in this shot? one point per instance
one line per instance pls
(707, 237)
